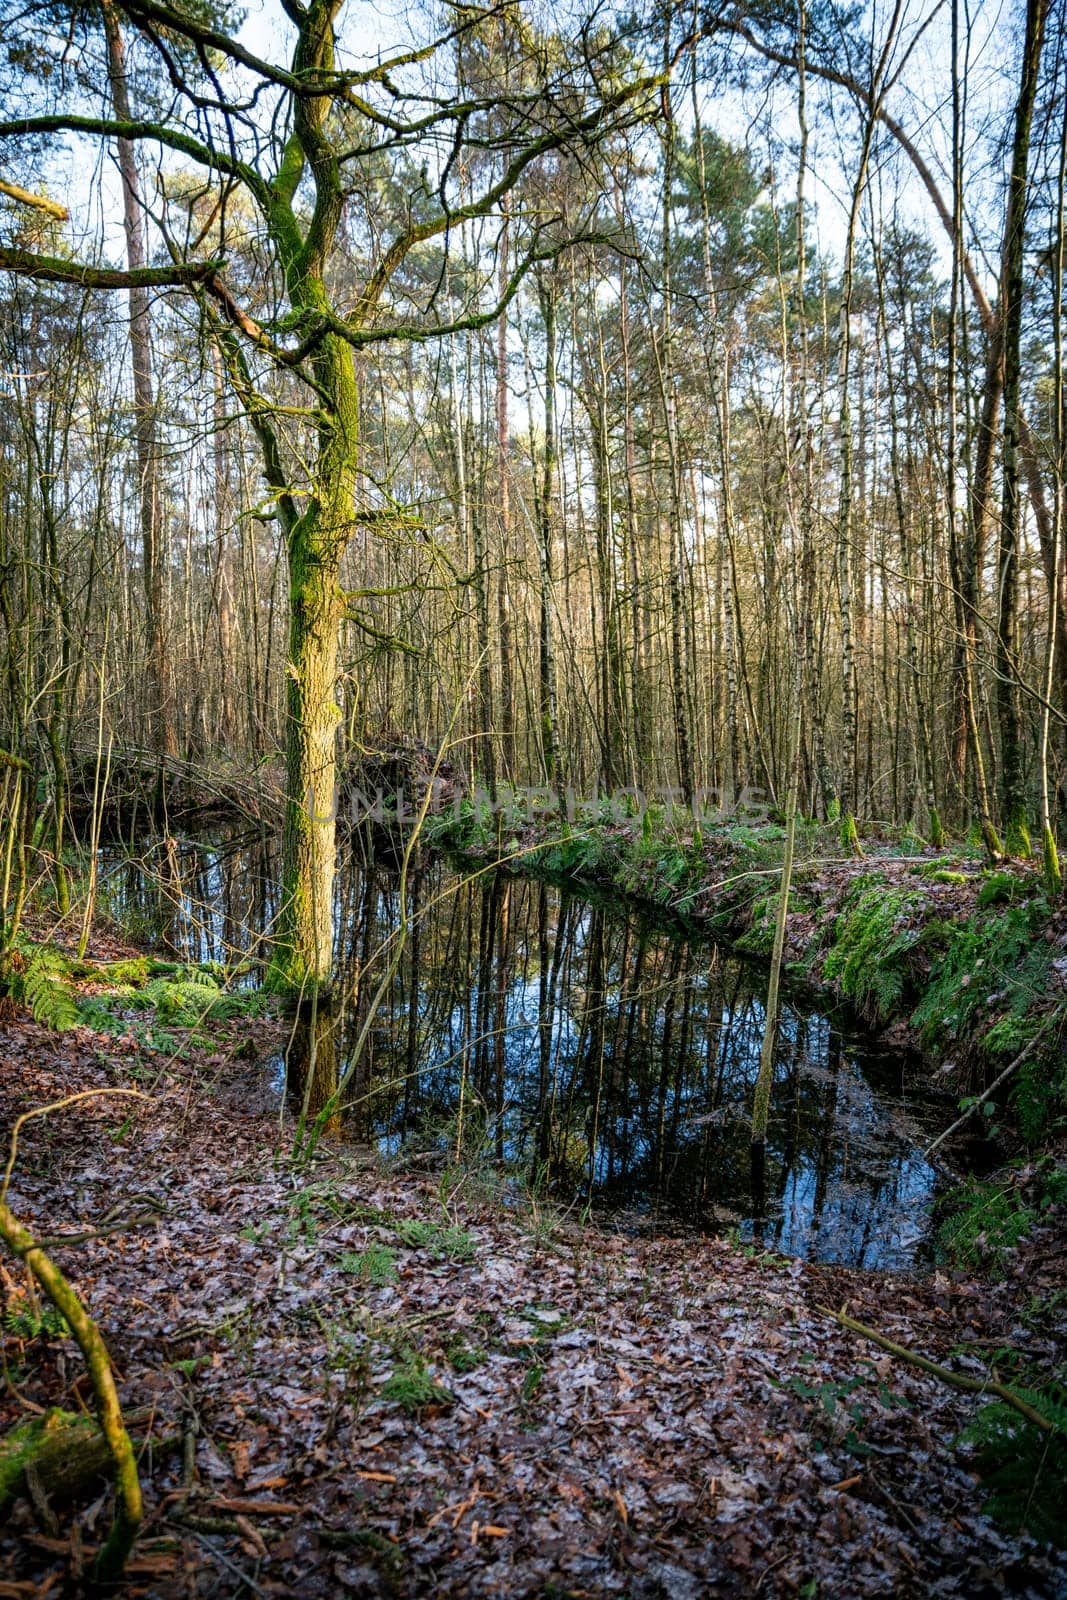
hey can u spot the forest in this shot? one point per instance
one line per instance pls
(533, 746)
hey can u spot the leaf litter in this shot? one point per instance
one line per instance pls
(368, 1380)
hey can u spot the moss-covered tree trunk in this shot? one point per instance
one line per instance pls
(303, 952)
(317, 538)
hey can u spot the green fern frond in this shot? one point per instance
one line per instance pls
(27, 1322)
(1024, 1468)
(44, 987)
(182, 1001)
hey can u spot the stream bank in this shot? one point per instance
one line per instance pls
(943, 956)
(393, 1370)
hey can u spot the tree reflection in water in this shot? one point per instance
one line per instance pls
(608, 1060)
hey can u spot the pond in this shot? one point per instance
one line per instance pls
(609, 1061)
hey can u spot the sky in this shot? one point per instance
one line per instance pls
(922, 99)
(368, 31)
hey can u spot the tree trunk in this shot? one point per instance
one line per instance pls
(546, 495)
(160, 711)
(303, 953)
(1012, 786)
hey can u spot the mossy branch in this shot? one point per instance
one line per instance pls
(112, 1558)
(958, 1380)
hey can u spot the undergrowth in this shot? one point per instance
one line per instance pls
(997, 959)
(873, 939)
(982, 1219)
(1024, 1467)
(48, 983)
(412, 1388)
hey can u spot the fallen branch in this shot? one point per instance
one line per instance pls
(958, 1380)
(129, 1509)
(112, 1557)
(65, 1452)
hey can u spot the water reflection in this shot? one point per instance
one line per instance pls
(611, 1061)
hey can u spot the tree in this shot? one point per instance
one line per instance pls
(304, 143)
(1013, 797)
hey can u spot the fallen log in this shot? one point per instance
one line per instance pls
(67, 1451)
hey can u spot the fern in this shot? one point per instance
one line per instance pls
(28, 1322)
(1040, 1091)
(1024, 1467)
(412, 1388)
(44, 987)
(182, 1001)
(981, 1221)
(440, 1243)
(998, 957)
(376, 1264)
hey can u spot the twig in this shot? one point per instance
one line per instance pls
(958, 1380)
(225, 1561)
(1052, 1017)
(39, 1499)
(52, 1241)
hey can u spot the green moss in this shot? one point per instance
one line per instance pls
(759, 940)
(850, 839)
(1053, 877)
(927, 869)
(986, 961)
(1018, 838)
(872, 942)
(55, 1437)
(1002, 888)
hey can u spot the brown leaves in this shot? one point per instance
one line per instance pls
(627, 1416)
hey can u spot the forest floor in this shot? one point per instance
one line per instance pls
(371, 1378)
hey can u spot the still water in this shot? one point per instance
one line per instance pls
(609, 1061)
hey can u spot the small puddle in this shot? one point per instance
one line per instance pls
(608, 1061)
